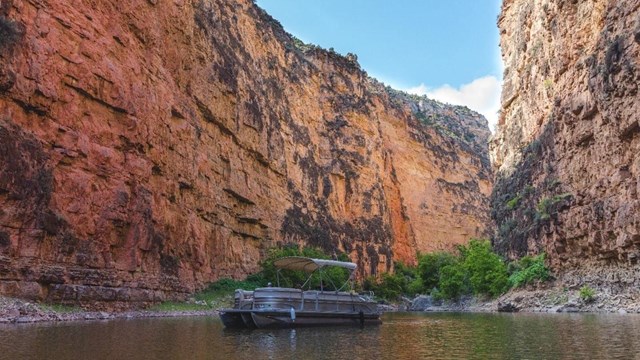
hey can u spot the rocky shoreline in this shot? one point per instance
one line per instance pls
(550, 299)
(17, 311)
(537, 300)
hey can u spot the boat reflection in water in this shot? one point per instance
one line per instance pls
(288, 307)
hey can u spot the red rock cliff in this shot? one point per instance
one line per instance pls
(149, 147)
(568, 144)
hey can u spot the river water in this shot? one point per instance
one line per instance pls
(401, 336)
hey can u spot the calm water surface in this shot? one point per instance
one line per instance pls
(402, 336)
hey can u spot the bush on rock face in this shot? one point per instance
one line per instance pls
(528, 270)
(587, 294)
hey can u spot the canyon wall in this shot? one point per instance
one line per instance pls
(150, 147)
(567, 149)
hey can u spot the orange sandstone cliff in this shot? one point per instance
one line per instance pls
(150, 147)
(567, 149)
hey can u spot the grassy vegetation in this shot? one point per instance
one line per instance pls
(301, 45)
(388, 287)
(560, 298)
(427, 120)
(179, 306)
(543, 209)
(61, 309)
(587, 294)
(218, 294)
(546, 206)
(513, 203)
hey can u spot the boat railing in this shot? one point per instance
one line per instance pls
(309, 300)
(368, 295)
(242, 298)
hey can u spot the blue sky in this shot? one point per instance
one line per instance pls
(447, 50)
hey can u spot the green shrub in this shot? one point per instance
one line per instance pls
(528, 190)
(415, 287)
(507, 227)
(587, 294)
(543, 209)
(430, 265)
(400, 268)
(301, 45)
(388, 287)
(486, 271)
(513, 203)
(547, 206)
(476, 269)
(404, 281)
(370, 283)
(528, 270)
(412, 283)
(451, 284)
(391, 286)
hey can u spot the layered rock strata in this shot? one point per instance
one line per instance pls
(150, 147)
(568, 143)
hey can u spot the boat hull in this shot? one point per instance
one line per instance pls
(263, 319)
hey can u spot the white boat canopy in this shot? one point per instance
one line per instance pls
(309, 264)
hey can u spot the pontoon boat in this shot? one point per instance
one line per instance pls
(289, 307)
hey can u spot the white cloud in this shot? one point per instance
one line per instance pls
(481, 95)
